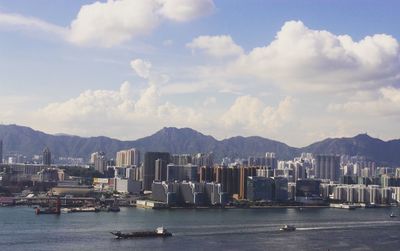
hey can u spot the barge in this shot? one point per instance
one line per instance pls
(158, 232)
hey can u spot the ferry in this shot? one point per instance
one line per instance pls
(288, 228)
(158, 232)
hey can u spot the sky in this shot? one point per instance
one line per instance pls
(293, 71)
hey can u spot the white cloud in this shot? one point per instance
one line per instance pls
(122, 114)
(210, 101)
(115, 113)
(30, 24)
(185, 10)
(252, 115)
(141, 67)
(304, 59)
(116, 21)
(110, 23)
(386, 103)
(216, 46)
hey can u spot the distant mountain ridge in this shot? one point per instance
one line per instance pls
(185, 140)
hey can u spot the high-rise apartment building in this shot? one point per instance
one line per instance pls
(99, 160)
(206, 174)
(46, 156)
(203, 159)
(299, 171)
(149, 166)
(130, 157)
(270, 160)
(161, 169)
(1, 151)
(259, 188)
(327, 166)
(244, 173)
(181, 159)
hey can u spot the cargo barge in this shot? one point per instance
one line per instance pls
(158, 232)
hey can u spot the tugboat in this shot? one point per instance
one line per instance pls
(288, 228)
(50, 210)
(158, 232)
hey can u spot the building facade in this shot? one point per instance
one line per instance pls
(149, 167)
(327, 167)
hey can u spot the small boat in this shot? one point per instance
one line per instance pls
(51, 209)
(84, 210)
(66, 210)
(392, 215)
(114, 207)
(158, 232)
(47, 211)
(288, 228)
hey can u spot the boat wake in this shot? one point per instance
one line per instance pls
(274, 228)
(349, 225)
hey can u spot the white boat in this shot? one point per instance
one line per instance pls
(66, 210)
(392, 215)
(288, 228)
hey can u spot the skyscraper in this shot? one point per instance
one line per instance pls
(244, 173)
(299, 171)
(46, 156)
(149, 166)
(99, 160)
(327, 167)
(160, 170)
(1, 151)
(280, 189)
(129, 157)
(203, 159)
(270, 160)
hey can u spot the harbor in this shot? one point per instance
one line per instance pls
(194, 229)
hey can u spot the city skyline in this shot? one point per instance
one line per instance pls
(294, 72)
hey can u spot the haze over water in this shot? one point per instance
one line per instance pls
(236, 229)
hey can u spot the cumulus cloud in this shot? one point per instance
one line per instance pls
(113, 22)
(386, 103)
(120, 113)
(254, 116)
(116, 21)
(116, 113)
(216, 46)
(141, 67)
(302, 58)
(210, 101)
(185, 10)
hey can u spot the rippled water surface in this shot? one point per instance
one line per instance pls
(203, 229)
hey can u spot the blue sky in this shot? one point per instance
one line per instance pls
(295, 71)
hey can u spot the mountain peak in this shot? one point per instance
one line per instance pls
(174, 131)
(364, 136)
(29, 142)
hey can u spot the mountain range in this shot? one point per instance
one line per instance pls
(29, 142)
